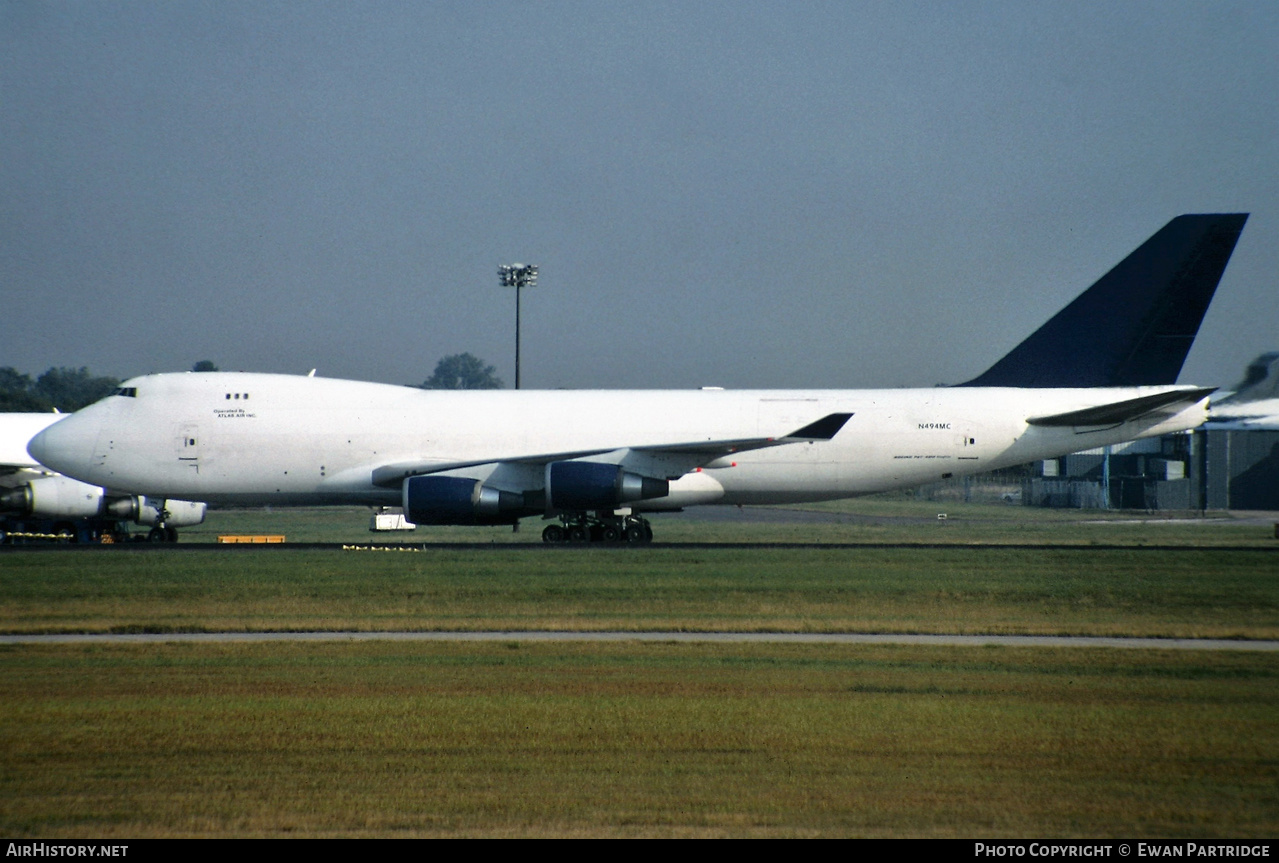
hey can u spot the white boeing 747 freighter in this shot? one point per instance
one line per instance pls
(1102, 371)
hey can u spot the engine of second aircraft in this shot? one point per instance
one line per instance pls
(458, 500)
(63, 497)
(55, 497)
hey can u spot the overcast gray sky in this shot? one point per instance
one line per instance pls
(743, 194)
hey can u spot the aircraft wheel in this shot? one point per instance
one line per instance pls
(635, 534)
(577, 533)
(157, 535)
(553, 533)
(610, 534)
(170, 534)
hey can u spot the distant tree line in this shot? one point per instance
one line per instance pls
(462, 372)
(71, 389)
(62, 388)
(454, 372)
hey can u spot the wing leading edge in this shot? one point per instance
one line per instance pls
(673, 457)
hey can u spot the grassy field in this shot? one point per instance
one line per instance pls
(888, 518)
(636, 740)
(1221, 593)
(652, 739)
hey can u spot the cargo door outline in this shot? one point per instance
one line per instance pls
(966, 442)
(187, 444)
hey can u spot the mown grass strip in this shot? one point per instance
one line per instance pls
(636, 740)
(891, 518)
(1215, 593)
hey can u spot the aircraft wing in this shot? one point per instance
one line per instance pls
(1124, 411)
(679, 457)
(823, 429)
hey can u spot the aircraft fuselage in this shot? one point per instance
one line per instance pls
(254, 439)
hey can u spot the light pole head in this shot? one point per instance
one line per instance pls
(517, 275)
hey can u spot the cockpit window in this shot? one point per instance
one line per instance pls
(128, 392)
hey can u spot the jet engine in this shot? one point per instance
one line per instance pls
(458, 500)
(62, 497)
(141, 509)
(54, 497)
(583, 485)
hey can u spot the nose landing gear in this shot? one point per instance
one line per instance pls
(162, 532)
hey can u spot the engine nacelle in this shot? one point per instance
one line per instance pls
(63, 497)
(458, 500)
(56, 497)
(182, 513)
(583, 485)
(146, 511)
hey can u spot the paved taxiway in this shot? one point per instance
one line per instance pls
(718, 637)
(570, 548)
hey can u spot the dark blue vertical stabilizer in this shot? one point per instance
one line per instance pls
(1135, 326)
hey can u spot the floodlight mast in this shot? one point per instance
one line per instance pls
(517, 276)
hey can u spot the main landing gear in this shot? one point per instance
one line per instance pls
(602, 527)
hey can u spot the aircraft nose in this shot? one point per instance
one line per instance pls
(66, 446)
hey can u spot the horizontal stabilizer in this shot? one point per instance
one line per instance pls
(1124, 411)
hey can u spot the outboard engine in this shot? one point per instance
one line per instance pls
(458, 500)
(583, 485)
